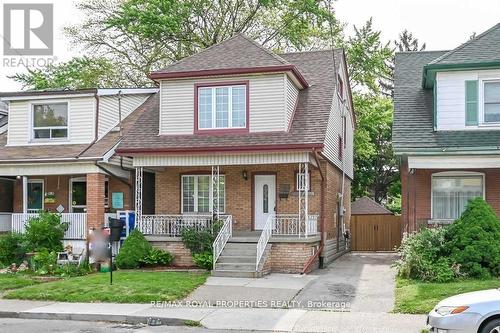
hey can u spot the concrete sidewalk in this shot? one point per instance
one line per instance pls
(256, 319)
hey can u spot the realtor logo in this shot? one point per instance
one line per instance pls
(28, 29)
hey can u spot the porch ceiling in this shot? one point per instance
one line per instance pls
(454, 162)
(223, 159)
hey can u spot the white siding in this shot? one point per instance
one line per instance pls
(267, 103)
(334, 130)
(81, 114)
(108, 110)
(451, 98)
(291, 94)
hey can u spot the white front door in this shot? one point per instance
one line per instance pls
(265, 199)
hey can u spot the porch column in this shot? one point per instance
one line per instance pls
(215, 191)
(138, 196)
(303, 197)
(95, 200)
(25, 194)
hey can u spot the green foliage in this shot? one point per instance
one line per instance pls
(157, 257)
(45, 232)
(474, 240)
(134, 249)
(44, 262)
(72, 270)
(78, 73)
(375, 165)
(203, 260)
(197, 241)
(424, 256)
(11, 249)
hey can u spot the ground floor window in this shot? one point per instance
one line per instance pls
(78, 196)
(197, 194)
(35, 195)
(451, 193)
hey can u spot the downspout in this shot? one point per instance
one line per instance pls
(322, 220)
(96, 127)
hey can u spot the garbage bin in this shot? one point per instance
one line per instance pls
(116, 228)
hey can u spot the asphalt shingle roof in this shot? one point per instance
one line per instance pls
(308, 126)
(367, 206)
(413, 111)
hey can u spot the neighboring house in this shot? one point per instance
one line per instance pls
(4, 117)
(59, 155)
(368, 206)
(447, 129)
(262, 140)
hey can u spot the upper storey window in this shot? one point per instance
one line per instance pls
(50, 121)
(222, 107)
(492, 102)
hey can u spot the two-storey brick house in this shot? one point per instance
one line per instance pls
(58, 155)
(447, 129)
(264, 141)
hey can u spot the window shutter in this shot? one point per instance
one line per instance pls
(471, 103)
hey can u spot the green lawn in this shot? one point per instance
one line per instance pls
(421, 297)
(14, 281)
(128, 287)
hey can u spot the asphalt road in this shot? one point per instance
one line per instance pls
(8, 325)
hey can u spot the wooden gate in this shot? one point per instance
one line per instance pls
(375, 232)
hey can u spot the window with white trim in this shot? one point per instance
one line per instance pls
(197, 194)
(50, 121)
(491, 102)
(450, 194)
(223, 107)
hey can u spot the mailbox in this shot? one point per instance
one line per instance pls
(115, 228)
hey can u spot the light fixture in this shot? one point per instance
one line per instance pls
(245, 175)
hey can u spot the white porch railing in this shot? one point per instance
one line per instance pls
(264, 239)
(5, 222)
(289, 225)
(225, 233)
(77, 223)
(172, 225)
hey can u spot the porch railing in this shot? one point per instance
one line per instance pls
(289, 225)
(225, 233)
(172, 225)
(77, 223)
(264, 239)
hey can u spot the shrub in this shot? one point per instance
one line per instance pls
(45, 232)
(197, 241)
(71, 270)
(11, 249)
(424, 256)
(474, 240)
(203, 260)
(134, 249)
(157, 257)
(44, 262)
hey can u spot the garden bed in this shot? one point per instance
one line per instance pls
(128, 287)
(417, 297)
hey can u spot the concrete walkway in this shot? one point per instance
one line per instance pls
(358, 282)
(253, 319)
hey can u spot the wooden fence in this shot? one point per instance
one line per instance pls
(375, 232)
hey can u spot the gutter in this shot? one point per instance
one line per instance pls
(113, 175)
(96, 127)
(490, 150)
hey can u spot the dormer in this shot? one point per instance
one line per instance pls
(236, 86)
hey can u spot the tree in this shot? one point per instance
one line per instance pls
(77, 73)
(405, 43)
(375, 165)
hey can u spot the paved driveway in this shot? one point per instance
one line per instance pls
(356, 282)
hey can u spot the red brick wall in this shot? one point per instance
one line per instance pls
(182, 255)
(95, 200)
(416, 194)
(57, 184)
(238, 190)
(291, 257)
(118, 186)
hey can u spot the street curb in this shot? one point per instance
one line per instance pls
(133, 320)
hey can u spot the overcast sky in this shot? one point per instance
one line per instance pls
(441, 24)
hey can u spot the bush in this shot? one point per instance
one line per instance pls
(474, 240)
(197, 241)
(45, 232)
(157, 257)
(44, 262)
(203, 260)
(11, 249)
(71, 270)
(134, 249)
(424, 256)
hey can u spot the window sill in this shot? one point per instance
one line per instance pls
(221, 131)
(437, 222)
(64, 140)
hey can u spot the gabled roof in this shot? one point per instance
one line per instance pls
(367, 206)
(236, 55)
(308, 128)
(480, 49)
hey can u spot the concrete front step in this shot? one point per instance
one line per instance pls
(239, 253)
(237, 259)
(229, 266)
(251, 240)
(236, 245)
(238, 274)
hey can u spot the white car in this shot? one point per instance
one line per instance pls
(476, 312)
